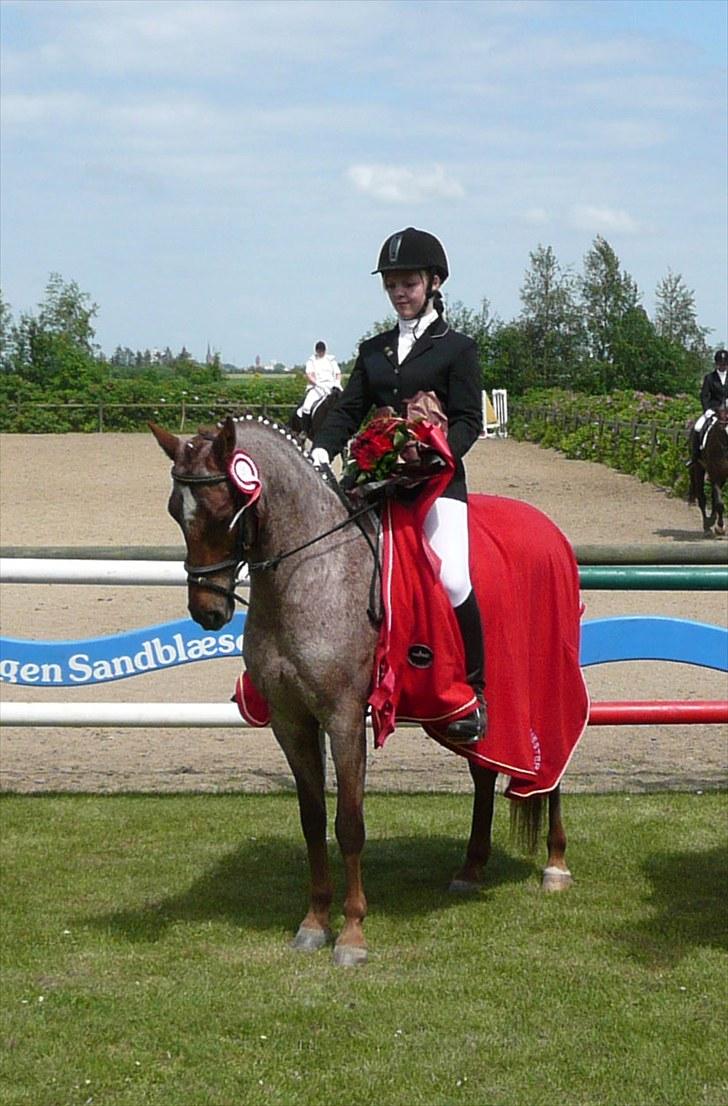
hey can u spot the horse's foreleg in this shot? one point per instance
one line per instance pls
(556, 876)
(349, 755)
(718, 510)
(470, 876)
(302, 748)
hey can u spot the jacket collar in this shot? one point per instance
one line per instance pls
(390, 338)
(436, 330)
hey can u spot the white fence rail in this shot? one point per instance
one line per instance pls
(125, 715)
(39, 570)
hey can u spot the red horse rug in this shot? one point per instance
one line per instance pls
(527, 582)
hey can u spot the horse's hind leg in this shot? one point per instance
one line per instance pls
(470, 876)
(301, 744)
(556, 876)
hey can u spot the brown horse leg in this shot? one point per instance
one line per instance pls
(301, 745)
(349, 756)
(718, 511)
(556, 876)
(470, 877)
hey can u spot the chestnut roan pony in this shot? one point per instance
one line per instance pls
(713, 463)
(309, 644)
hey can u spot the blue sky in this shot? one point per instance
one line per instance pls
(225, 171)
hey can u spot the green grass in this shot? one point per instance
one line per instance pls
(145, 958)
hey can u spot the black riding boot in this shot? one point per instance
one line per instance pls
(474, 725)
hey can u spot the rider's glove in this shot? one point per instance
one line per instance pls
(320, 457)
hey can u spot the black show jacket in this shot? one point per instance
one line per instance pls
(713, 394)
(442, 361)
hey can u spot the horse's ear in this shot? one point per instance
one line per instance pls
(168, 441)
(225, 441)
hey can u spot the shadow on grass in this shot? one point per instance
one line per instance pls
(689, 898)
(263, 885)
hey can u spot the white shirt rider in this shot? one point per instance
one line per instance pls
(323, 375)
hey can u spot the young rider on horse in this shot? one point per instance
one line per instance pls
(422, 353)
(323, 375)
(713, 394)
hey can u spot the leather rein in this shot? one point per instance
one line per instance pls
(197, 574)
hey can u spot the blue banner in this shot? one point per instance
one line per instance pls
(118, 656)
(99, 660)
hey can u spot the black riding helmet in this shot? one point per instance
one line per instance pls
(721, 357)
(413, 249)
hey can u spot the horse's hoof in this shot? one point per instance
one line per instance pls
(349, 956)
(556, 879)
(311, 940)
(464, 886)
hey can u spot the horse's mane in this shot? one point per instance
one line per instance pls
(271, 433)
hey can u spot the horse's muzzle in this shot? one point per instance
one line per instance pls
(210, 611)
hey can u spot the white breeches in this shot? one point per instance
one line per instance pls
(446, 529)
(700, 422)
(313, 395)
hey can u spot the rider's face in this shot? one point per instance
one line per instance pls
(407, 291)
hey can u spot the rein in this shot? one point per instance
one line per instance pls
(273, 562)
(196, 574)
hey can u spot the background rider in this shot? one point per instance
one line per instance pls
(323, 375)
(713, 394)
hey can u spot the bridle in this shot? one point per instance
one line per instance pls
(197, 574)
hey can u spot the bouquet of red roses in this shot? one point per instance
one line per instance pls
(391, 449)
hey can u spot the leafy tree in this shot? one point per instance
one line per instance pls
(480, 325)
(511, 363)
(6, 335)
(68, 311)
(607, 293)
(551, 318)
(675, 315)
(646, 362)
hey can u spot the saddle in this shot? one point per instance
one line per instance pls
(719, 417)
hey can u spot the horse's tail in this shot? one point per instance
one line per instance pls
(527, 818)
(692, 495)
(694, 482)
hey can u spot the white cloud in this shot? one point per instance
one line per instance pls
(632, 134)
(601, 220)
(38, 109)
(396, 184)
(537, 216)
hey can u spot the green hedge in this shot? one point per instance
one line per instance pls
(126, 405)
(633, 432)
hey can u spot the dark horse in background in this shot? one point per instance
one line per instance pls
(305, 427)
(309, 644)
(713, 463)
